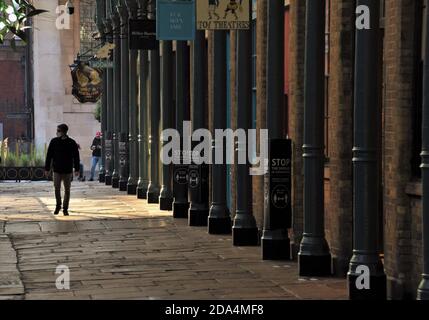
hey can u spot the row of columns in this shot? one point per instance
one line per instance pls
(131, 131)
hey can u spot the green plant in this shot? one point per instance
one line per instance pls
(11, 160)
(39, 161)
(13, 18)
(25, 160)
(97, 112)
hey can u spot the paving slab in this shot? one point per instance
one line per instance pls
(118, 247)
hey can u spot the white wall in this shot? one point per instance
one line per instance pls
(54, 50)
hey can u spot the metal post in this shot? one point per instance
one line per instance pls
(116, 24)
(314, 258)
(166, 194)
(423, 290)
(180, 186)
(133, 112)
(366, 255)
(143, 181)
(244, 231)
(101, 15)
(108, 143)
(198, 191)
(275, 240)
(219, 221)
(154, 187)
(125, 98)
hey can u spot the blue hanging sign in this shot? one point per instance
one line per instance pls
(175, 19)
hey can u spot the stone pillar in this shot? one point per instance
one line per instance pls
(49, 90)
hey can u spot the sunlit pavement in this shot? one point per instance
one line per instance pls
(118, 247)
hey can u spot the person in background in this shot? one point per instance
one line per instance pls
(96, 154)
(62, 157)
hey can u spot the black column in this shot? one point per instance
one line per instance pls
(154, 187)
(275, 239)
(166, 193)
(180, 186)
(101, 15)
(219, 216)
(314, 258)
(244, 231)
(143, 181)
(366, 179)
(423, 291)
(108, 143)
(133, 112)
(116, 24)
(125, 98)
(198, 174)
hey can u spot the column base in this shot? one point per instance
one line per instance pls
(245, 237)
(123, 186)
(180, 210)
(314, 266)
(115, 183)
(132, 189)
(165, 204)
(108, 180)
(423, 290)
(275, 249)
(142, 194)
(152, 197)
(219, 225)
(377, 290)
(198, 217)
(102, 178)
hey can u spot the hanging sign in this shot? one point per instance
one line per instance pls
(101, 64)
(142, 35)
(223, 14)
(87, 83)
(175, 20)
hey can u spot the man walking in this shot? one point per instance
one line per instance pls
(96, 154)
(62, 157)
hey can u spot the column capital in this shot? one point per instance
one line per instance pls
(132, 6)
(122, 11)
(142, 9)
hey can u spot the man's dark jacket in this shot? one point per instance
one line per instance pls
(97, 151)
(63, 154)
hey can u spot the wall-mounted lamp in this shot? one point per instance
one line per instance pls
(70, 7)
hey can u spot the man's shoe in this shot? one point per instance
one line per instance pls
(57, 211)
(66, 213)
(91, 179)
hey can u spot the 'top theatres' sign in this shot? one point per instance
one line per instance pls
(223, 14)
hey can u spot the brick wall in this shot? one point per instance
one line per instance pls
(399, 56)
(12, 91)
(261, 102)
(233, 104)
(338, 199)
(296, 105)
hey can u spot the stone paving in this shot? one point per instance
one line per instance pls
(118, 247)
